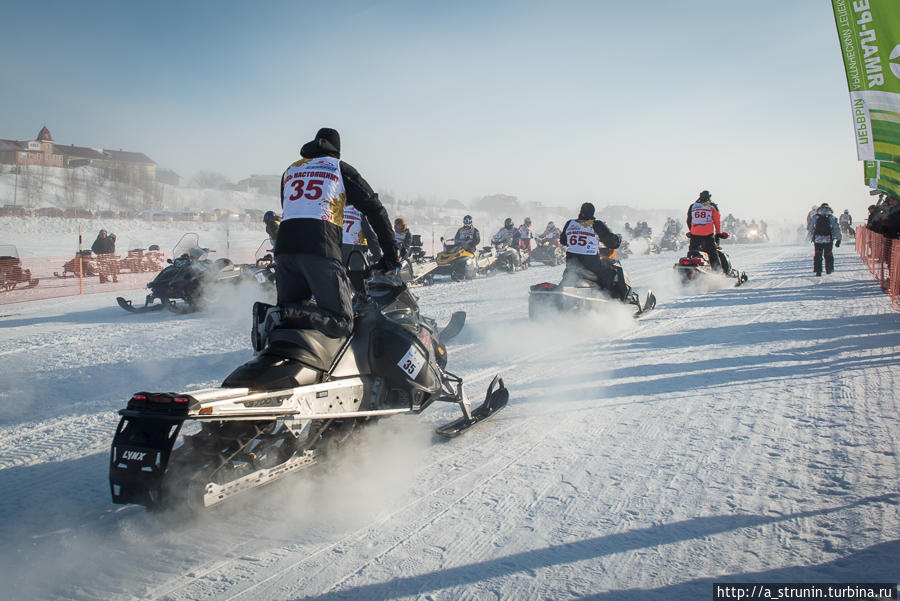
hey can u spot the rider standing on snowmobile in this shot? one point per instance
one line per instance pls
(467, 236)
(589, 244)
(704, 224)
(314, 193)
(824, 230)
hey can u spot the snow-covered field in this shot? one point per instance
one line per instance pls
(738, 434)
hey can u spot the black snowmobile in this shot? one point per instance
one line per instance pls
(301, 395)
(506, 257)
(190, 277)
(579, 291)
(548, 252)
(696, 267)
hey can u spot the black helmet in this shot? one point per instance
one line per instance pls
(705, 196)
(467, 220)
(587, 211)
(508, 223)
(528, 221)
(268, 216)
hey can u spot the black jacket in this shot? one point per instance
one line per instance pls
(104, 246)
(323, 238)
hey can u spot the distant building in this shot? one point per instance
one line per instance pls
(261, 184)
(44, 151)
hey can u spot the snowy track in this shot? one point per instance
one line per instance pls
(738, 434)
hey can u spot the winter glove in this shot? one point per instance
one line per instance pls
(386, 264)
(837, 243)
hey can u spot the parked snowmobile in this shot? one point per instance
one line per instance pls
(695, 267)
(11, 272)
(190, 277)
(83, 265)
(416, 250)
(138, 260)
(299, 397)
(578, 291)
(548, 252)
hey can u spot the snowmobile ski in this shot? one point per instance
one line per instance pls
(126, 304)
(454, 326)
(494, 401)
(742, 278)
(649, 304)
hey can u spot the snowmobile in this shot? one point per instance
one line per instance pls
(695, 266)
(669, 241)
(548, 252)
(139, 260)
(579, 291)
(190, 277)
(83, 265)
(506, 258)
(11, 272)
(300, 397)
(417, 250)
(457, 261)
(263, 269)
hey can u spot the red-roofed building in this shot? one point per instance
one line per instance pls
(44, 151)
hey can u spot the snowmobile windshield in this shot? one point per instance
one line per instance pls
(263, 251)
(186, 244)
(8, 250)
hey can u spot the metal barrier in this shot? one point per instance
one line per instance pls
(38, 278)
(882, 257)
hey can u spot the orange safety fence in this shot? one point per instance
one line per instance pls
(37, 278)
(882, 257)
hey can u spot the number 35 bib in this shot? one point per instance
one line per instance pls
(314, 189)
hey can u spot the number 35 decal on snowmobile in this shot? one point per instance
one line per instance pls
(412, 362)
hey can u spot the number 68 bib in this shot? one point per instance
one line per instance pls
(314, 189)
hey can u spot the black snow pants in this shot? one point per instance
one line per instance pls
(706, 244)
(823, 248)
(606, 273)
(298, 278)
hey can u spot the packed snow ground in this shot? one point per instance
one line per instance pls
(735, 434)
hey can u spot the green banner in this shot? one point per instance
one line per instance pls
(883, 175)
(869, 33)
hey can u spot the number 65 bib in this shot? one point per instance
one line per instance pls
(581, 239)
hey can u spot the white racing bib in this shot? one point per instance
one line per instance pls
(581, 239)
(353, 233)
(314, 189)
(700, 214)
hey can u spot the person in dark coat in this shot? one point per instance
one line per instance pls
(590, 253)
(314, 193)
(824, 230)
(104, 247)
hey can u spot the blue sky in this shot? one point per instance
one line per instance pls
(640, 102)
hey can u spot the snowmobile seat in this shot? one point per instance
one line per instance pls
(309, 347)
(292, 358)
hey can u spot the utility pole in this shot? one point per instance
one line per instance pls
(16, 188)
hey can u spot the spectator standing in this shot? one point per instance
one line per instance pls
(104, 247)
(824, 231)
